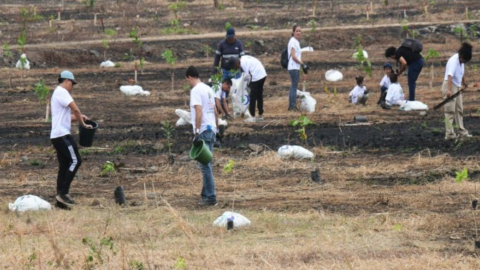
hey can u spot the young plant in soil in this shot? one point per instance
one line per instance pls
(207, 50)
(111, 33)
(186, 90)
(177, 7)
(8, 55)
(168, 129)
(363, 62)
(302, 122)
(107, 168)
(171, 59)
(432, 54)
(42, 92)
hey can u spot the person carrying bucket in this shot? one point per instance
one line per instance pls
(64, 111)
(204, 123)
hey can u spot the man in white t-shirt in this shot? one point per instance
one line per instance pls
(204, 123)
(452, 83)
(257, 74)
(221, 91)
(69, 160)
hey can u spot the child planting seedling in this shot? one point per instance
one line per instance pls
(359, 94)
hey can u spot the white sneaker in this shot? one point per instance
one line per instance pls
(250, 120)
(260, 118)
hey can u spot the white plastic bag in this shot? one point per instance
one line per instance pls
(238, 220)
(307, 102)
(107, 63)
(133, 90)
(181, 122)
(307, 49)
(294, 151)
(414, 106)
(186, 118)
(29, 203)
(19, 64)
(240, 96)
(333, 75)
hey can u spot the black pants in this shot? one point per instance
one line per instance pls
(69, 161)
(256, 96)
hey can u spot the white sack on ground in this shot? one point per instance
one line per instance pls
(134, 90)
(29, 203)
(187, 118)
(107, 63)
(238, 220)
(307, 102)
(414, 106)
(333, 75)
(19, 64)
(294, 151)
(240, 96)
(307, 49)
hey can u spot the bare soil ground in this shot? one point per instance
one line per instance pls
(388, 198)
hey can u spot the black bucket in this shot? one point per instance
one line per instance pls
(120, 195)
(86, 134)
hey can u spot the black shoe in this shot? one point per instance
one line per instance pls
(207, 203)
(63, 206)
(65, 199)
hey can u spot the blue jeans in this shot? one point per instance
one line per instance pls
(414, 70)
(292, 98)
(230, 75)
(208, 189)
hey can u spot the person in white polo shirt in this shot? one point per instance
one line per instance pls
(257, 76)
(453, 81)
(204, 123)
(64, 111)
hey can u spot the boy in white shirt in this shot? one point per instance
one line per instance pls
(385, 82)
(221, 91)
(395, 92)
(359, 94)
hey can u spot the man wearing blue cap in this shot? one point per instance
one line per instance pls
(227, 48)
(64, 111)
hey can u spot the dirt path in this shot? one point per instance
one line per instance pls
(64, 44)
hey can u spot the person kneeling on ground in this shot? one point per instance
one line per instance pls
(452, 83)
(69, 158)
(385, 82)
(204, 122)
(359, 94)
(221, 91)
(255, 70)
(395, 92)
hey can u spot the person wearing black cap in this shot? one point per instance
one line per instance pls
(69, 160)
(385, 83)
(227, 48)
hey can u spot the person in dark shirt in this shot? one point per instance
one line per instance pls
(413, 60)
(227, 48)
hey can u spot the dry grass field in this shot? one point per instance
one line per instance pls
(390, 198)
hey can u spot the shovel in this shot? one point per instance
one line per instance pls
(438, 106)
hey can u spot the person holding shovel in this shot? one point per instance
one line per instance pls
(204, 123)
(453, 82)
(64, 111)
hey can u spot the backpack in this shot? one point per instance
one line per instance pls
(284, 58)
(412, 44)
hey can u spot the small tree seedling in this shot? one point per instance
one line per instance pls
(168, 129)
(186, 89)
(42, 92)
(461, 175)
(433, 55)
(170, 59)
(8, 55)
(302, 122)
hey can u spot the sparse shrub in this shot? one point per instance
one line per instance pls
(168, 129)
(461, 175)
(302, 122)
(107, 168)
(171, 59)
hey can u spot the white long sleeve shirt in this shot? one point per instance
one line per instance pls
(394, 95)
